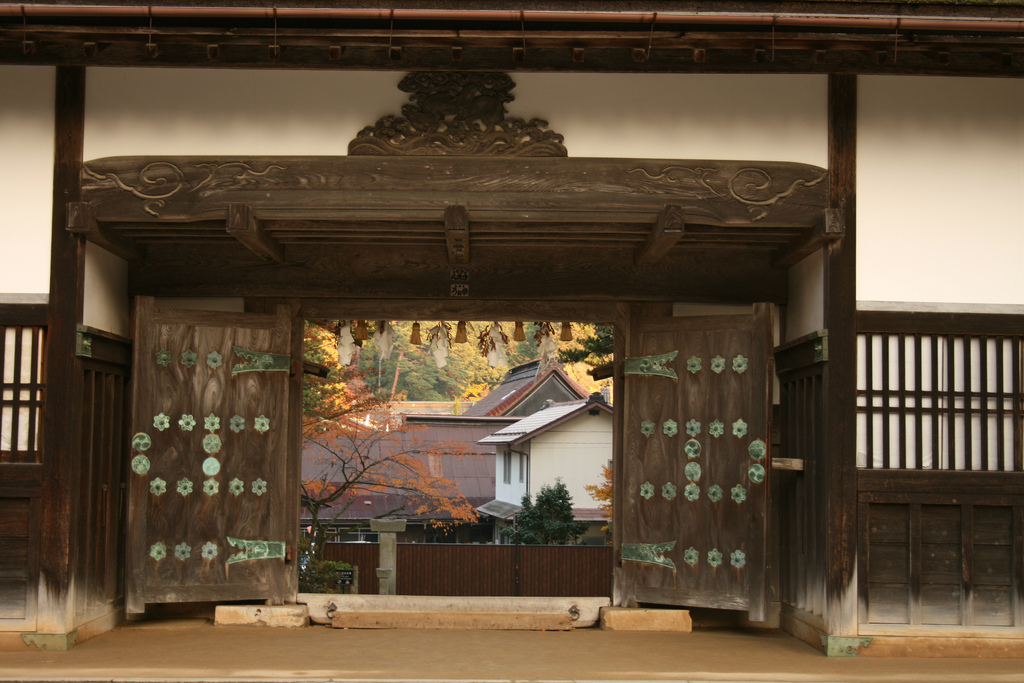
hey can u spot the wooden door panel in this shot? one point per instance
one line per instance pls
(696, 463)
(210, 457)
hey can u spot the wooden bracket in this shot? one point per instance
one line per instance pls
(829, 228)
(456, 231)
(664, 235)
(243, 226)
(81, 220)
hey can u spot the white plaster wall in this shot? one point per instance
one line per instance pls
(805, 311)
(681, 116)
(940, 190)
(156, 111)
(574, 452)
(198, 111)
(106, 286)
(26, 194)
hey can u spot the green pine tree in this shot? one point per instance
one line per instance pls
(549, 521)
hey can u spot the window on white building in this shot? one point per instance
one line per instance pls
(507, 468)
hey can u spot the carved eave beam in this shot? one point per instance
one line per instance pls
(82, 221)
(456, 232)
(664, 235)
(829, 228)
(243, 226)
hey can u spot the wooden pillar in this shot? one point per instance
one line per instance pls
(840, 380)
(63, 410)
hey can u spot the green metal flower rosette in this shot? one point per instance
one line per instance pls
(714, 557)
(738, 558)
(716, 428)
(739, 494)
(739, 364)
(647, 490)
(668, 491)
(715, 493)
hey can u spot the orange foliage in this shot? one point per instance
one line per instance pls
(602, 492)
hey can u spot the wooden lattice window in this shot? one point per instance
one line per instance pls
(933, 395)
(22, 392)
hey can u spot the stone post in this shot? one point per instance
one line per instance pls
(386, 573)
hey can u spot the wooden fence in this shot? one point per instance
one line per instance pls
(477, 570)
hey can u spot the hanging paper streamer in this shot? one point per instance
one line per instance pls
(439, 343)
(384, 338)
(493, 343)
(547, 347)
(346, 344)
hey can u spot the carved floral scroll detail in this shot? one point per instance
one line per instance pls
(457, 114)
(753, 187)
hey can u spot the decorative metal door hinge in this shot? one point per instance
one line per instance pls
(255, 550)
(651, 553)
(259, 361)
(652, 365)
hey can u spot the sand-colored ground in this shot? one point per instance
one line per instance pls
(193, 650)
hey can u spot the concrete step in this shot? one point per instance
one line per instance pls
(489, 621)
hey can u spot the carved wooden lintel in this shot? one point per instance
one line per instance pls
(664, 235)
(153, 190)
(830, 227)
(243, 226)
(457, 113)
(456, 231)
(82, 221)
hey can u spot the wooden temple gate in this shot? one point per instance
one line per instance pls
(353, 236)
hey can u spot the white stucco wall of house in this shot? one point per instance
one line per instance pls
(940, 190)
(573, 451)
(26, 193)
(513, 490)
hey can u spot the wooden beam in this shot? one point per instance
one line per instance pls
(456, 232)
(840, 374)
(243, 226)
(664, 235)
(81, 221)
(62, 485)
(831, 227)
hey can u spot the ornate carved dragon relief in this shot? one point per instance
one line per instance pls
(457, 114)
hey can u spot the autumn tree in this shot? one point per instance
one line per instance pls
(344, 459)
(602, 493)
(346, 455)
